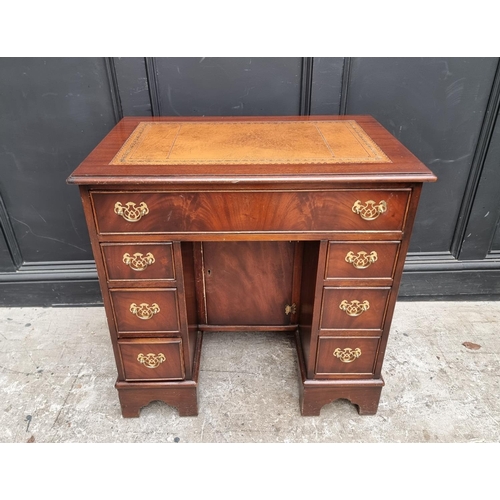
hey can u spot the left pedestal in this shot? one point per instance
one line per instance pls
(183, 395)
(148, 290)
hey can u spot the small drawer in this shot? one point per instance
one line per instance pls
(353, 308)
(346, 355)
(250, 211)
(138, 261)
(152, 359)
(358, 260)
(144, 311)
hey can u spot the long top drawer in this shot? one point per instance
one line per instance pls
(250, 211)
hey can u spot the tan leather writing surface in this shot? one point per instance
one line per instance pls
(234, 143)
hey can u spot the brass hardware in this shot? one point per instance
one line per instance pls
(144, 311)
(355, 307)
(151, 360)
(138, 262)
(290, 309)
(369, 211)
(347, 355)
(362, 260)
(130, 212)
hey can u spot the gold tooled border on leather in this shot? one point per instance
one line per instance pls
(374, 153)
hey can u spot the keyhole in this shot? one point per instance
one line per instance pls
(209, 272)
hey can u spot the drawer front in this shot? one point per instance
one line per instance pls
(353, 308)
(262, 211)
(152, 359)
(350, 355)
(142, 310)
(357, 260)
(138, 262)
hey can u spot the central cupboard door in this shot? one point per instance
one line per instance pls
(248, 282)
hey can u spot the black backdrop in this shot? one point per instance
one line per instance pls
(54, 111)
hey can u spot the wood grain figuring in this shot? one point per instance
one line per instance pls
(96, 169)
(328, 363)
(135, 395)
(315, 393)
(333, 317)
(187, 269)
(307, 294)
(245, 217)
(117, 269)
(171, 366)
(165, 321)
(248, 283)
(101, 274)
(199, 143)
(397, 278)
(298, 259)
(268, 211)
(313, 270)
(337, 267)
(365, 396)
(182, 394)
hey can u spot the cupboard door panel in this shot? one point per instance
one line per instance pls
(248, 282)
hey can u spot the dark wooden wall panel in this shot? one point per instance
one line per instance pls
(327, 85)
(54, 112)
(495, 245)
(51, 293)
(435, 107)
(10, 255)
(215, 86)
(132, 81)
(485, 212)
(6, 264)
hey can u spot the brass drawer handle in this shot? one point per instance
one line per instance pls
(151, 360)
(355, 307)
(369, 211)
(130, 212)
(138, 262)
(362, 260)
(144, 311)
(347, 355)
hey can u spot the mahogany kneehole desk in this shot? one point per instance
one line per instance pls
(256, 224)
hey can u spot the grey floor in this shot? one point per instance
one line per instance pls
(57, 374)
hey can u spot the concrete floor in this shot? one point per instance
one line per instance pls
(57, 374)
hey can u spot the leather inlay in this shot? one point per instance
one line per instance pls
(240, 143)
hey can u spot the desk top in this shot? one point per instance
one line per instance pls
(172, 150)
